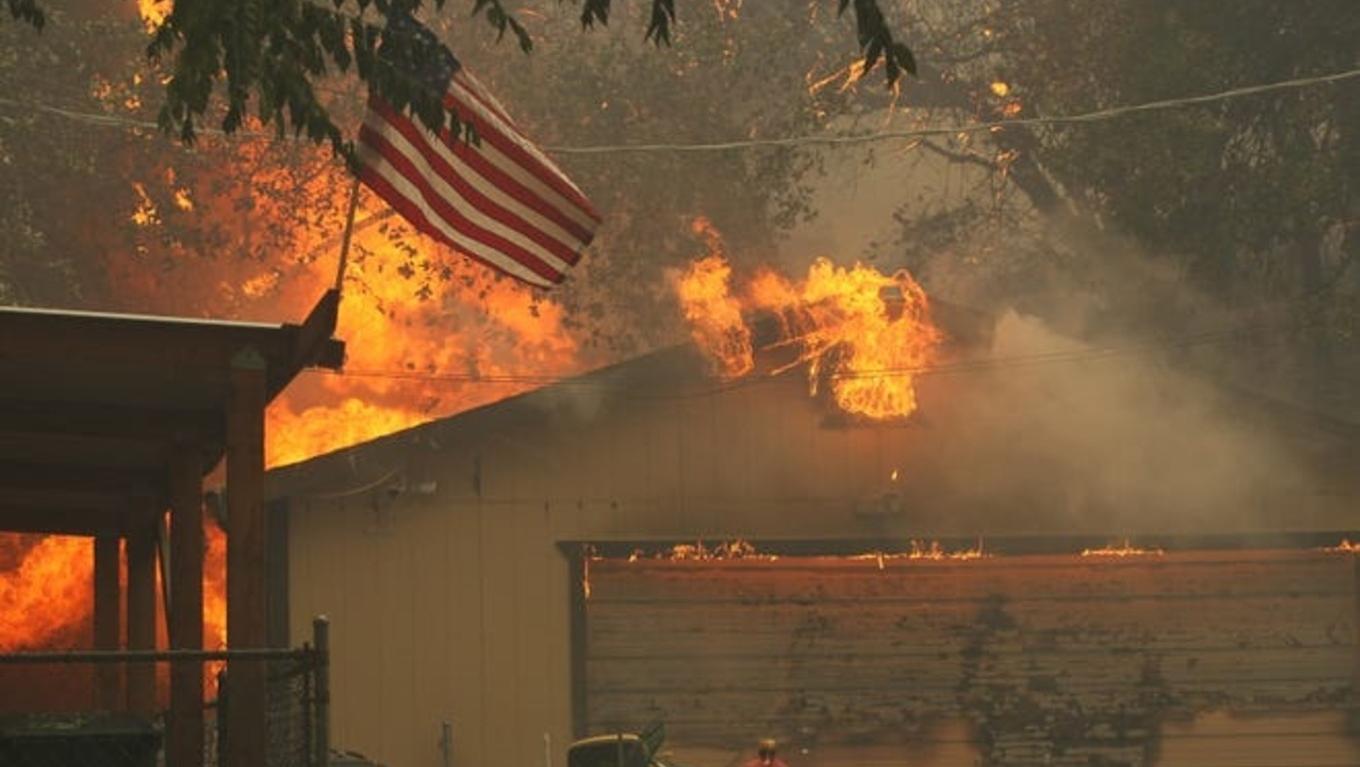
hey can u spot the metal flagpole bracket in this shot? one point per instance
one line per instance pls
(349, 233)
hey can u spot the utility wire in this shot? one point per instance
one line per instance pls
(1085, 117)
(1098, 115)
(1085, 354)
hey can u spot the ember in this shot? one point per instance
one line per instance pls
(698, 552)
(864, 332)
(1123, 549)
(1345, 547)
(926, 550)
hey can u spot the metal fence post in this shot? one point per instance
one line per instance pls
(446, 743)
(321, 640)
(220, 754)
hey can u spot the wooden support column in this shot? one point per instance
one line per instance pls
(141, 619)
(107, 616)
(184, 730)
(1355, 662)
(247, 693)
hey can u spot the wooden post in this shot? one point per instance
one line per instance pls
(247, 697)
(184, 728)
(107, 615)
(1355, 657)
(576, 598)
(141, 619)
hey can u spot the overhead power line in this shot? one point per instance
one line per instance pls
(982, 127)
(979, 365)
(1099, 115)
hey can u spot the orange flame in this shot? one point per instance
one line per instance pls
(48, 593)
(1345, 547)
(866, 332)
(714, 316)
(214, 600)
(411, 313)
(153, 12)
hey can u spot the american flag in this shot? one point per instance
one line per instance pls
(502, 201)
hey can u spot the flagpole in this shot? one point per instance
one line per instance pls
(349, 230)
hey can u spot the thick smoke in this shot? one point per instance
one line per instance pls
(1050, 434)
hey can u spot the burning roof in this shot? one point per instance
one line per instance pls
(994, 449)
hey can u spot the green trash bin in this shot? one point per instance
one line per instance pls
(76, 740)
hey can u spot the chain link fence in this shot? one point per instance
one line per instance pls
(75, 728)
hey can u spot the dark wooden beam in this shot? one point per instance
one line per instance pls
(26, 519)
(77, 476)
(109, 421)
(141, 614)
(184, 727)
(247, 704)
(107, 612)
(130, 342)
(73, 501)
(276, 572)
(313, 345)
(185, 353)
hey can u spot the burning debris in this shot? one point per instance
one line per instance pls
(698, 552)
(1346, 546)
(862, 334)
(926, 550)
(1121, 550)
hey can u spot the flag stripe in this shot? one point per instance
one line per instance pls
(475, 87)
(491, 131)
(499, 200)
(477, 159)
(402, 190)
(498, 151)
(467, 162)
(464, 192)
(411, 211)
(465, 85)
(444, 211)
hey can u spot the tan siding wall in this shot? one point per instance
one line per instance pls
(440, 612)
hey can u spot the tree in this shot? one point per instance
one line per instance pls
(278, 52)
(263, 208)
(1242, 204)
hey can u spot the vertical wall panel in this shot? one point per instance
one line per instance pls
(425, 538)
(466, 646)
(500, 728)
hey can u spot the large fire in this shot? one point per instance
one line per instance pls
(863, 333)
(45, 589)
(421, 326)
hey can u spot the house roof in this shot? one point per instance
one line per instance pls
(954, 447)
(93, 403)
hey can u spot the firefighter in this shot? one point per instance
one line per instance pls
(765, 755)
